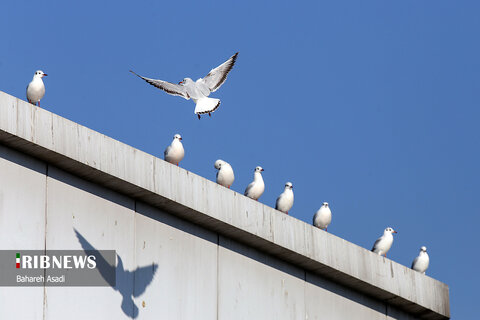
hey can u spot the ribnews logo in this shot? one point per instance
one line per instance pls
(58, 268)
(45, 261)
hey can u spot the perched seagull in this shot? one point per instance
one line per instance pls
(322, 217)
(257, 186)
(421, 262)
(36, 88)
(225, 176)
(198, 90)
(174, 152)
(384, 243)
(285, 199)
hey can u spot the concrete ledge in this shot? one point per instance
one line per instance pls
(110, 163)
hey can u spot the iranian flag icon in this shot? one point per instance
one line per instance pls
(18, 260)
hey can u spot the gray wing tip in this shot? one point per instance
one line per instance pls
(136, 74)
(234, 57)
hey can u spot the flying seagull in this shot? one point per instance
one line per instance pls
(421, 262)
(225, 176)
(384, 243)
(323, 217)
(285, 199)
(174, 153)
(36, 88)
(255, 189)
(198, 90)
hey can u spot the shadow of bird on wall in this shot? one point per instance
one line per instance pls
(128, 283)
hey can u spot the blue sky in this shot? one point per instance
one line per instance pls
(372, 106)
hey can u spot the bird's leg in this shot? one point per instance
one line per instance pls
(326, 229)
(198, 116)
(228, 187)
(209, 114)
(39, 103)
(286, 213)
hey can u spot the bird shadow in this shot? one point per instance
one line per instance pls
(130, 284)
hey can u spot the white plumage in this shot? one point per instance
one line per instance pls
(198, 90)
(384, 243)
(36, 88)
(256, 188)
(322, 217)
(285, 199)
(421, 262)
(174, 153)
(225, 176)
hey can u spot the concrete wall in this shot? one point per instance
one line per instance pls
(189, 249)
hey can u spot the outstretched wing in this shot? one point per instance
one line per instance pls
(106, 270)
(143, 277)
(216, 77)
(170, 88)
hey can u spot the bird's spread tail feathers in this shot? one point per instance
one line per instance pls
(206, 105)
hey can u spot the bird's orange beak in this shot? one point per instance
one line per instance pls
(395, 231)
(180, 139)
(44, 75)
(180, 82)
(262, 170)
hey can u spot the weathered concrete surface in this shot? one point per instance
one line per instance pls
(253, 285)
(142, 177)
(185, 284)
(22, 224)
(106, 219)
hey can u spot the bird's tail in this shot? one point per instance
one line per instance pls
(206, 105)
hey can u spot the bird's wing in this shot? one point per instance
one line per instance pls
(216, 77)
(376, 243)
(276, 202)
(170, 88)
(143, 277)
(250, 186)
(167, 151)
(106, 270)
(414, 262)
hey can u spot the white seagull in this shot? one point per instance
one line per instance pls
(384, 243)
(174, 152)
(36, 88)
(322, 217)
(198, 90)
(421, 262)
(225, 176)
(285, 199)
(257, 186)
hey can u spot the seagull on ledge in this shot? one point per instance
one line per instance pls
(322, 217)
(384, 243)
(175, 152)
(198, 90)
(421, 262)
(36, 88)
(225, 176)
(257, 186)
(285, 199)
